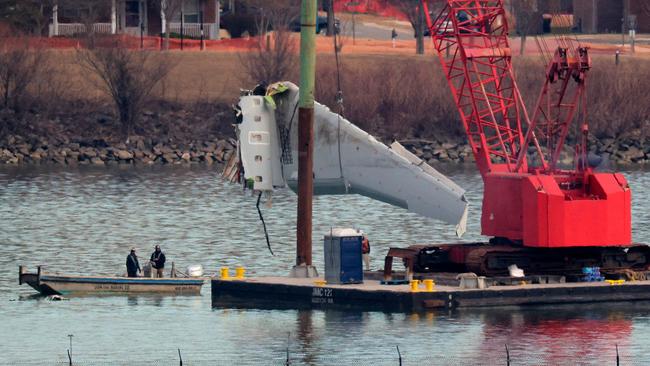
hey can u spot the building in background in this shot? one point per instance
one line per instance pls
(611, 16)
(138, 17)
(547, 15)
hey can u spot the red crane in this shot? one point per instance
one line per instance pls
(530, 201)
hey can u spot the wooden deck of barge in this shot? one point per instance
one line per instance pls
(294, 293)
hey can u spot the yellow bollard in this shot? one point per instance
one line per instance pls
(429, 285)
(320, 283)
(225, 275)
(415, 285)
(615, 282)
(239, 273)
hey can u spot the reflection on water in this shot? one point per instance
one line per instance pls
(85, 220)
(568, 332)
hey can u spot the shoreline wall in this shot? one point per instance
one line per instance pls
(18, 150)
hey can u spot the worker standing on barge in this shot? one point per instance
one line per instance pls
(132, 264)
(158, 262)
(365, 252)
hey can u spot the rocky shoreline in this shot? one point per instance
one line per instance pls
(623, 151)
(17, 150)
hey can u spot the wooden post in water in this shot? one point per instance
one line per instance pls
(399, 354)
(288, 360)
(70, 349)
(21, 272)
(304, 266)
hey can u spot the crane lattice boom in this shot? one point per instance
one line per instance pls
(471, 38)
(528, 198)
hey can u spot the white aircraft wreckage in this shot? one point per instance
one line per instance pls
(347, 160)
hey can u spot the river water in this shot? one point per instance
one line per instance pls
(84, 220)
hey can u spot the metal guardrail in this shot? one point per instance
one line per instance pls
(191, 30)
(70, 29)
(194, 29)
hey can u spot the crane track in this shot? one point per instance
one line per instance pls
(493, 260)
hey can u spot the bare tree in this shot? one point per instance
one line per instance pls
(26, 16)
(170, 9)
(88, 12)
(288, 5)
(251, 13)
(528, 18)
(126, 76)
(331, 26)
(268, 12)
(273, 59)
(275, 55)
(20, 67)
(413, 10)
(416, 16)
(645, 6)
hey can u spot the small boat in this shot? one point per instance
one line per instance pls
(56, 284)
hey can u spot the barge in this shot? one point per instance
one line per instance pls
(542, 216)
(372, 295)
(58, 284)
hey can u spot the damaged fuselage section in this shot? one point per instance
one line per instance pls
(347, 160)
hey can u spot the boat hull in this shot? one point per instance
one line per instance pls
(50, 284)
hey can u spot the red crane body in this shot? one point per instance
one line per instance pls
(528, 199)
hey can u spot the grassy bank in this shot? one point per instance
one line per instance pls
(389, 95)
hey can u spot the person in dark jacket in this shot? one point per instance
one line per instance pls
(158, 262)
(132, 264)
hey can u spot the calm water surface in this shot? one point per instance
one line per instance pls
(85, 221)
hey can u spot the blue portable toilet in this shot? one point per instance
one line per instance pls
(343, 261)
